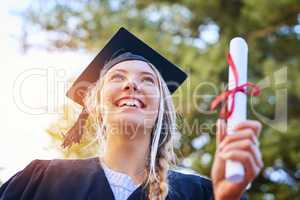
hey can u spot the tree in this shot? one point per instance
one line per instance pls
(195, 35)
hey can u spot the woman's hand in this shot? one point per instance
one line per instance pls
(241, 147)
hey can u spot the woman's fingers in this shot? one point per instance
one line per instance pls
(218, 172)
(246, 158)
(241, 147)
(252, 124)
(245, 145)
(221, 130)
(240, 135)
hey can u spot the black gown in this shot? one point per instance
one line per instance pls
(85, 180)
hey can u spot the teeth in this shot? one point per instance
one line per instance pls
(129, 102)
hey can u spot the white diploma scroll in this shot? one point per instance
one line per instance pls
(239, 50)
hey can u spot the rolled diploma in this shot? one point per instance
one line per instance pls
(238, 49)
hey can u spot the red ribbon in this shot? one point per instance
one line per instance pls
(223, 97)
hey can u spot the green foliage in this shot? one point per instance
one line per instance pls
(195, 34)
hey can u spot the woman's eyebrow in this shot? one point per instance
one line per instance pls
(143, 72)
(148, 73)
(120, 70)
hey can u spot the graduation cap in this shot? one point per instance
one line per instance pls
(122, 46)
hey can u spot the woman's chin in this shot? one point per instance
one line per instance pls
(133, 118)
(129, 119)
(131, 126)
(129, 109)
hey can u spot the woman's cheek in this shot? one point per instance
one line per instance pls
(110, 88)
(110, 93)
(152, 108)
(107, 96)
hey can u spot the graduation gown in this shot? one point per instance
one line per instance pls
(85, 179)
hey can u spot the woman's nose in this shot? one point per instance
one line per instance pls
(131, 85)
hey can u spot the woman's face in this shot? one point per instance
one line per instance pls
(130, 96)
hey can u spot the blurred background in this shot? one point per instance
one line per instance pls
(46, 44)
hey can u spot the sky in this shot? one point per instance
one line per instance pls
(32, 85)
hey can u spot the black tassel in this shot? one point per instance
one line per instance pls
(75, 134)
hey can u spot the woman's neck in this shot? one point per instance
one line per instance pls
(129, 156)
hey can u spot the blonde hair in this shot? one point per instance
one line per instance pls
(162, 154)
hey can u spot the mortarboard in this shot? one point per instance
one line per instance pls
(122, 41)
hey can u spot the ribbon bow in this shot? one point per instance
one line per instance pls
(223, 97)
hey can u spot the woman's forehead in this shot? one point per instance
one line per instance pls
(136, 66)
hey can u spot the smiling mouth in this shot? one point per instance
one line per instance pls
(129, 102)
(129, 106)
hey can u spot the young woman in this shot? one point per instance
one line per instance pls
(131, 105)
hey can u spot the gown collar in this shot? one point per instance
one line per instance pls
(119, 179)
(101, 188)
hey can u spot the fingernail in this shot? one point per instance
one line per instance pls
(221, 147)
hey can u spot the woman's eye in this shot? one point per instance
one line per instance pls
(117, 77)
(148, 79)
